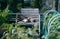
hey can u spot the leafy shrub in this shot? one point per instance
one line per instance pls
(54, 31)
(18, 32)
(48, 17)
(3, 15)
(8, 27)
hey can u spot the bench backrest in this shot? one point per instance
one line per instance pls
(29, 12)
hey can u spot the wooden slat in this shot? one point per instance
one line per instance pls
(27, 23)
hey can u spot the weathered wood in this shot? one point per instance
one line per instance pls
(33, 13)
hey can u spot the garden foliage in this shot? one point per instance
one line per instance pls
(54, 28)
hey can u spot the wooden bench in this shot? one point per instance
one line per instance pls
(29, 12)
(25, 12)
